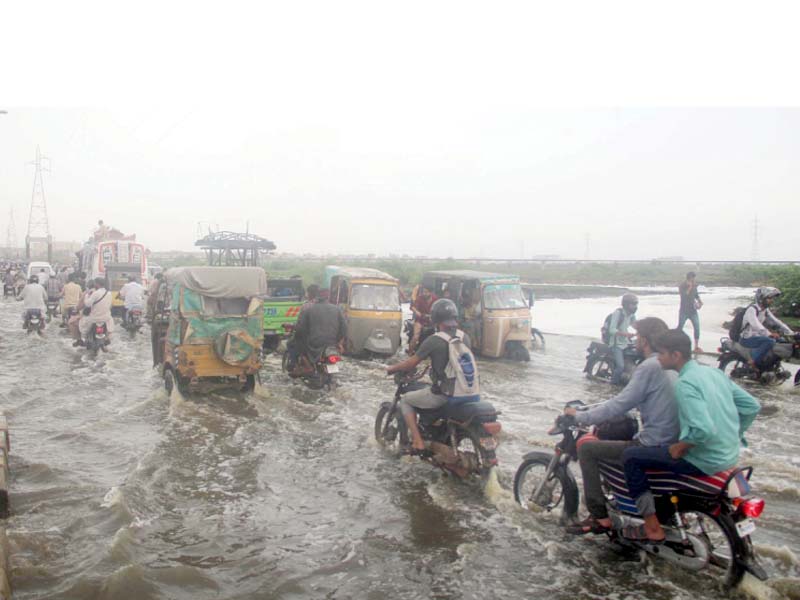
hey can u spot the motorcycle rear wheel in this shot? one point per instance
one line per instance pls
(599, 369)
(733, 367)
(719, 532)
(389, 427)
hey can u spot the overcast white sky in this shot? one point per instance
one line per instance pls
(439, 129)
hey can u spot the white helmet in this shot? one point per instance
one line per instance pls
(765, 293)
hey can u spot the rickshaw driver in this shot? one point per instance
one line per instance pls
(421, 307)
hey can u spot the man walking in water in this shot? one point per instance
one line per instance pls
(690, 303)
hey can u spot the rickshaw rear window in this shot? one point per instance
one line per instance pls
(505, 295)
(375, 297)
(225, 306)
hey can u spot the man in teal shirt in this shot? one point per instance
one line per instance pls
(714, 413)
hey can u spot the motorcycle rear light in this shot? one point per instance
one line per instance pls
(492, 428)
(719, 350)
(752, 508)
(288, 326)
(334, 359)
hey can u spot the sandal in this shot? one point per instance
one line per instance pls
(638, 533)
(588, 525)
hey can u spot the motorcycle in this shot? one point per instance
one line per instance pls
(408, 329)
(34, 322)
(459, 438)
(708, 520)
(53, 308)
(600, 362)
(67, 315)
(317, 373)
(132, 322)
(734, 361)
(97, 339)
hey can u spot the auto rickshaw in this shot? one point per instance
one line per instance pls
(370, 300)
(208, 327)
(492, 307)
(281, 309)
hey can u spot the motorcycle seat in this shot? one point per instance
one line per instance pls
(462, 412)
(741, 350)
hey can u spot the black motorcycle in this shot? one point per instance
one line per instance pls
(133, 320)
(734, 361)
(408, 328)
(707, 520)
(459, 438)
(34, 322)
(97, 339)
(600, 362)
(53, 309)
(317, 372)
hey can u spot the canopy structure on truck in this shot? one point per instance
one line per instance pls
(228, 248)
(221, 282)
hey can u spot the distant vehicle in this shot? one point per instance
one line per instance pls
(115, 260)
(281, 309)
(35, 267)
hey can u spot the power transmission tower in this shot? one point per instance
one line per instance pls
(11, 233)
(38, 224)
(754, 254)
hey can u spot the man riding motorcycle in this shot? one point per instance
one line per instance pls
(755, 335)
(97, 309)
(72, 297)
(444, 315)
(34, 299)
(619, 337)
(321, 325)
(714, 414)
(132, 293)
(651, 391)
(421, 308)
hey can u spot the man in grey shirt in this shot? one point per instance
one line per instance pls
(651, 390)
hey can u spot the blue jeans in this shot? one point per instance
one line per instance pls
(759, 346)
(636, 460)
(695, 320)
(619, 365)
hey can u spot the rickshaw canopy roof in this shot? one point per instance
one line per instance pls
(357, 273)
(221, 282)
(467, 274)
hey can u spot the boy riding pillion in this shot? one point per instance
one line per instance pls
(450, 382)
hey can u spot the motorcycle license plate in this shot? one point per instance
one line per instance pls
(745, 527)
(332, 368)
(489, 443)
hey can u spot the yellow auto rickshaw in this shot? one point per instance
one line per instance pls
(492, 310)
(208, 327)
(370, 300)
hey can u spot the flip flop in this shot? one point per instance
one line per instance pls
(638, 533)
(588, 525)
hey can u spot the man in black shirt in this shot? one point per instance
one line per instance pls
(690, 302)
(444, 314)
(320, 325)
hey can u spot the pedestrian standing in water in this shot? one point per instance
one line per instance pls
(690, 303)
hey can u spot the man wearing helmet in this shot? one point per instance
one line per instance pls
(757, 318)
(444, 315)
(619, 336)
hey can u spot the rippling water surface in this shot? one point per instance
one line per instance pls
(119, 491)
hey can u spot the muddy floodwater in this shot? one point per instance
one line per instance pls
(119, 491)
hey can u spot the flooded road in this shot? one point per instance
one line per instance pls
(119, 491)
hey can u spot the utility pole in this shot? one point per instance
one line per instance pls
(754, 254)
(38, 224)
(11, 233)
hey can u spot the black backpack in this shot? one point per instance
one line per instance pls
(735, 329)
(605, 330)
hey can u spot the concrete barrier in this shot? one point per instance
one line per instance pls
(5, 446)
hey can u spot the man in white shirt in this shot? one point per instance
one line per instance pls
(754, 334)
(33, 298)
(99, 305)
(133, 295)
